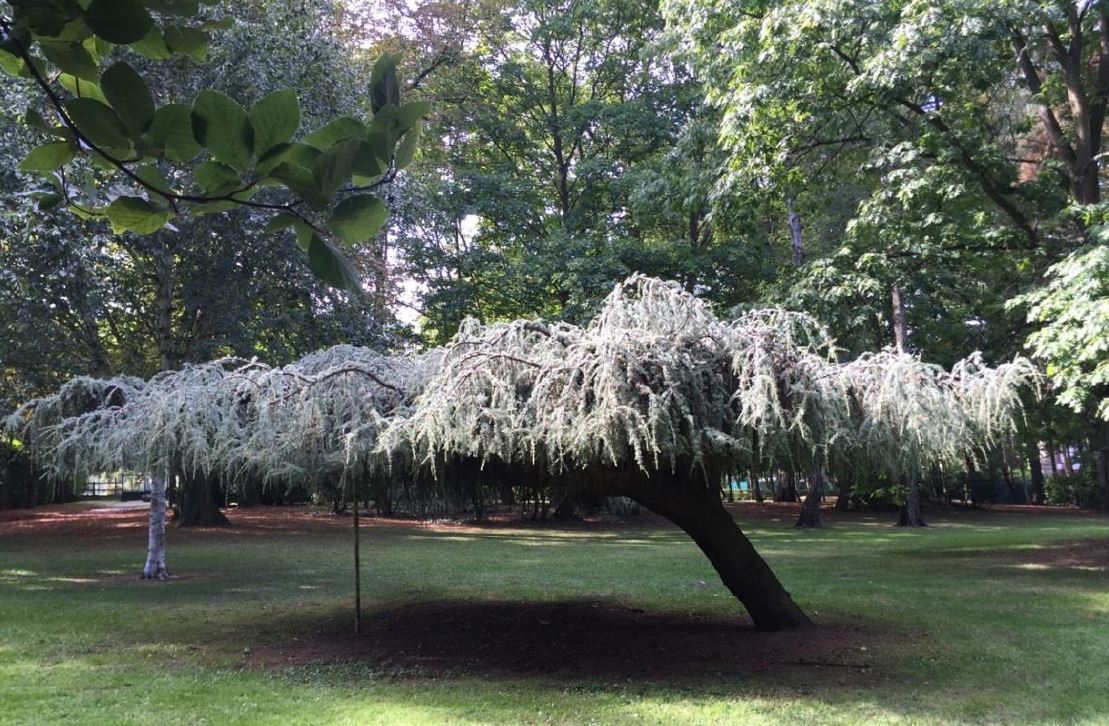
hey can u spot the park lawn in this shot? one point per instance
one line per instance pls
(985, 617)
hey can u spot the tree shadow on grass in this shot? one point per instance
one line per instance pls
(579, 640)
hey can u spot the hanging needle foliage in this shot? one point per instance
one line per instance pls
(656, 381)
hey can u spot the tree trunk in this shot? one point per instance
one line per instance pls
(1099, 442)
(843, 499)
(910, 511)
(1036, 468)
(691, 504)
(155, 568)
(198, 505)
(786, 490)
(900, 327)
(810, 510)
(797, 242)
(756, 488)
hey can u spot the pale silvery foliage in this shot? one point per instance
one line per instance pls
(656, 381)
(37, 420)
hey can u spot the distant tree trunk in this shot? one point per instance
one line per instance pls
(900, 327)
(1053, 454)
(810, 510)
(155, 568)
(1068, 465)
(689, 502)
(797, 242)
(1099, 443)
(910, 511)
(755, 487)
(198, 506)
(843, 499)
(786, 490)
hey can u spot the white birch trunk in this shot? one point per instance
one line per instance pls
(155, 568)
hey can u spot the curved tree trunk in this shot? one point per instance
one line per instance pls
(198, 505)
(810, 510)
(155, 568)
(690, 503)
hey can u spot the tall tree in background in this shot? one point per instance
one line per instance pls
(567, 150)
(965, 128)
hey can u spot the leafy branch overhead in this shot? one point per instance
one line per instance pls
(171, 159)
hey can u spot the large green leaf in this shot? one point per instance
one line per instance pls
(275, 119)
(48, 157)
(173, 129)
(133, 214)
(80, 88)
(338, 130)
(186, 41)
(358, 218)
(334, 167)
(118, 21)
(372, 157)
(44, 17)
(72, 58)
(384, 88)
(222, 126)
(215, 178)
(406, 149)
(98, 123)
(301, 182)
(153, 45)
(297, 153)
(129, 96)
(330, 266)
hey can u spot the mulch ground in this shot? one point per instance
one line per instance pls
(574, 640)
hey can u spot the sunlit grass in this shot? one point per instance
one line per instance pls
(975, 628)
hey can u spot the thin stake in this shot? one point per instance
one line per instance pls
(357, 566)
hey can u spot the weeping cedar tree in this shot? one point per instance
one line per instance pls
(654, 400)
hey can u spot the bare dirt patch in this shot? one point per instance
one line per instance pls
(1082, 554)
(578, 640)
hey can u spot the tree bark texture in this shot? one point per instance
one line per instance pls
(155, 568)
(198, 505)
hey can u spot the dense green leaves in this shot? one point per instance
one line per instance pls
(113, 114)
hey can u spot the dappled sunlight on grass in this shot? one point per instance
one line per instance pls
(988, 629)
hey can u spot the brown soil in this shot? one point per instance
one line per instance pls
(1088, 554)
(576, 639)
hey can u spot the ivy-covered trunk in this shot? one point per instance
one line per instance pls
(690, 503)
(155, 568)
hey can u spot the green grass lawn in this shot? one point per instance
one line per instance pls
(982, 618)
